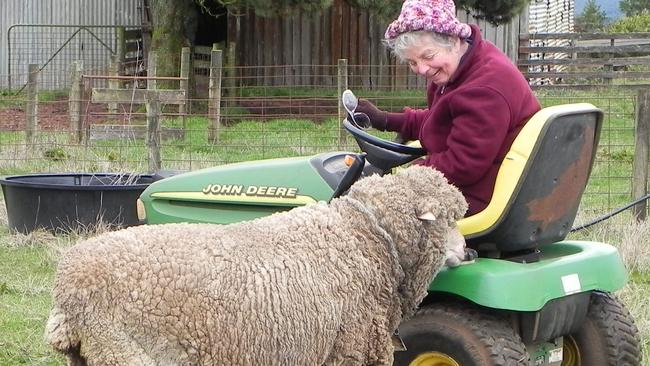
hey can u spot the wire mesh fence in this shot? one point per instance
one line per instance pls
(257, 120)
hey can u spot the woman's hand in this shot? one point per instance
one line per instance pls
(378, 118)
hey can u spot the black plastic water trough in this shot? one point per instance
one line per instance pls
(65, 202)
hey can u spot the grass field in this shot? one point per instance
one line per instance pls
(27, 262)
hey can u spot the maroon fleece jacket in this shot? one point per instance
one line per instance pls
(471, 121)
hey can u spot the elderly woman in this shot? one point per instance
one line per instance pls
(478, 101)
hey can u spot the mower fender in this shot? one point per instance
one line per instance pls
(565, 268)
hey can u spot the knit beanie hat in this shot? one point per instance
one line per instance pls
(430, 15)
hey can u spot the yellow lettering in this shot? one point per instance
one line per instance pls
(236, 190)
(282, 191)
(291, 192)
(207, 188)
(215, 189)
(261, 191)
(251, 190)
(271, 191)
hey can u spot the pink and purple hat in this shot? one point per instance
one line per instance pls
(431, 15)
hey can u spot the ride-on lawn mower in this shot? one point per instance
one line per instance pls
(530, 298)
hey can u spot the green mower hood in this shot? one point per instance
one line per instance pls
(242, 191)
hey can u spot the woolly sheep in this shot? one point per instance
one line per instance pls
(324, 284)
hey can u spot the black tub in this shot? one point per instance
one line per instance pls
(65, 202)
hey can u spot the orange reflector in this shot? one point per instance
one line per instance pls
(349, 160)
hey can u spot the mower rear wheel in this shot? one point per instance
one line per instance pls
(608, 336)
(453, 334)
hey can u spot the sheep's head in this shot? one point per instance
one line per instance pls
(417, 207)
(414, 202)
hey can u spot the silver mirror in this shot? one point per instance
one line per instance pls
(350, 101)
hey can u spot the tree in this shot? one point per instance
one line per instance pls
(637, 23)
(634, 7)
(174, 27)
(592, 18)
(495, 11)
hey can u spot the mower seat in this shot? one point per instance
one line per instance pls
(540, 182)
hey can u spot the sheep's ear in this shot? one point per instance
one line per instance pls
(427, 216)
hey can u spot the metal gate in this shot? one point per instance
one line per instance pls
(55, 47)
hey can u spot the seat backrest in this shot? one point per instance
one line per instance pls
(540, 182)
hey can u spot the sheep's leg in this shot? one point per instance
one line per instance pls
(114, 348)
(384, 349)
(366, 344)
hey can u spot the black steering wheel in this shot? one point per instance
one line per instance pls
(359, 133)
(381, 153)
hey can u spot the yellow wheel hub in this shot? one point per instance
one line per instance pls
(570, 353)
(433, 359)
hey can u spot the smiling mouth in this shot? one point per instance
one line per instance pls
(434, 74)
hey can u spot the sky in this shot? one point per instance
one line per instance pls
(609, 6)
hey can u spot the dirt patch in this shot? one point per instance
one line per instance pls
(53, 116)
(313, 108)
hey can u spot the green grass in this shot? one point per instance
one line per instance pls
(9, 99)
(26, 279)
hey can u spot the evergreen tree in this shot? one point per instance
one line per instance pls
(634, 7)
(592, 18)
(495, 11)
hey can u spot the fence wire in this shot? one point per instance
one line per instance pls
(257, 121)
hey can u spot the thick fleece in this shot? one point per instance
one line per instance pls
(317, 285)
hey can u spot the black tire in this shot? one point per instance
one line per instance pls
(608, 336)
(466, 334)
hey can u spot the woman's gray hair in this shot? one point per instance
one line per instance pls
(405, 40)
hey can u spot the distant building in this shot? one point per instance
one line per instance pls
(550, 16)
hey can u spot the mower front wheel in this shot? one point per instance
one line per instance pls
(458, 334)
(607, 337)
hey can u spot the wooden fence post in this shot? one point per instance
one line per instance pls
(152, 105)
(231, 61)
(113, 70)
(31, 122)
(120, 47)
(74, 101)
(152, 61)
(524, 41)
(342, 85)
(642, 139)
(214, 94)
(153, 130)
(186, 63)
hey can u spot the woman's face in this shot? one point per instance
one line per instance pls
(433, 61)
